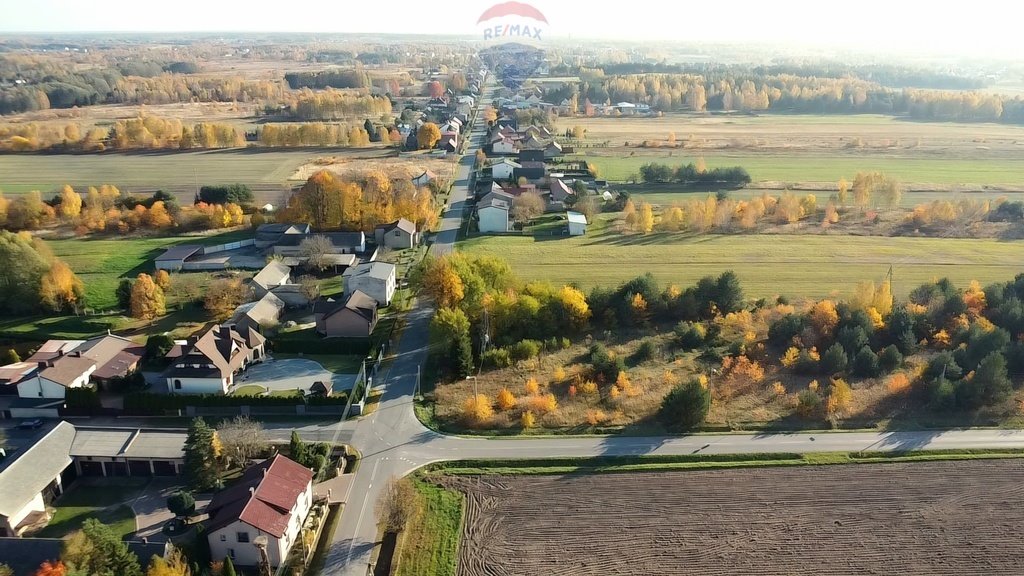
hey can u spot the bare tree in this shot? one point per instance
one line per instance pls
(309, 287)
(397, 504)
(242, 438)
(527, 206)
(315, 250)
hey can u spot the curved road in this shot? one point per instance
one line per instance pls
(394, 443)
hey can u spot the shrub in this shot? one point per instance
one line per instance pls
(496, 358)
(506, 400)
(865, 363)
(807, 362)
(606, 366)
(588, 387)
(644, 352)
(898, 383)
(595, 417)
(833, 360)
(686, 406)
(889, 359)
(524, 350)
(158, 345)
(477, 410)
(565, 343)
(181, 503)
(783, 330)
(808, 403)
(528, 420)
(542, 404)
(690, 335)
(532, 387)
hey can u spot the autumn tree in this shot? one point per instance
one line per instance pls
(147, 299)
(162, 279)
(223, 296)
(172, 564)
(428, 135)
(397, 504)
(70, 206)
(477, 410)
(202, 472)
(97, 549)
(527, 206)
(47, 568)
(505, 400)
(24, 261)
(60, 289)
(440, 281)
(645, 219)
(309, 287)
(844, 190)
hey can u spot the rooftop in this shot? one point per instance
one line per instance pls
(345, 239)
(272, 274)
(180, 252)
(263, 497)
(378, 270)
(576, 217)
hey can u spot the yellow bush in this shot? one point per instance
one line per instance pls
(790, 357)
(588, 387)
(542, 404)
(477, 410)
(506, 400)
(528, 420)
(559, 375)
(779, 389)
(898, 383)
(813, 386)
(595, 417)
(532, 387)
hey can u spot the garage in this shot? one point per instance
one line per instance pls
(139, 467)
(164, 468)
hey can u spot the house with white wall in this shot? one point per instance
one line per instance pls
(503, 169)
(272, 499)
(208, 364)
(375, 279)
(492, 213)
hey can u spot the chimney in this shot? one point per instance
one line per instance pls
(225, 332)
(252, 491)
(43, 364)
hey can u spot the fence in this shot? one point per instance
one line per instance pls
(228, 246)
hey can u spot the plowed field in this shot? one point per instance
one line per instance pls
(936, 519)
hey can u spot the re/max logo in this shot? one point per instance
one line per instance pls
(522, 31)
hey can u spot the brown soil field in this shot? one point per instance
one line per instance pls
(934, 519)
(857, 134)
(364, 160)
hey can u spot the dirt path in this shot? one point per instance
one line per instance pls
(944, 518)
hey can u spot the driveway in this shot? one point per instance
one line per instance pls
(151, 511)
(292, 373)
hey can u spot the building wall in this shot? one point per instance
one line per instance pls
(380, 290)
(32, 387)
(199, 385)
(504, 147)
(171, 265)
(35, 505)
(577, 229)
(493, 220)
(223, 541)
(398, 239)
(501, 171)
(344, 324)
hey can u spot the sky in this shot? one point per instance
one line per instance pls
(978, 28)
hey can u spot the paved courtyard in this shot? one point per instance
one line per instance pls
(151, 511)
(292, 373)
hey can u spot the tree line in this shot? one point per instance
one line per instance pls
(695, 174)
(33, 279)
(142, 133)
(359, 202)
(333, 104)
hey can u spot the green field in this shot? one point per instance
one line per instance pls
(101, 263)
(149, 171)
(663, 195)
(778, 167)
(793, 265)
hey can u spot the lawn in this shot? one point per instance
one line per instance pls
(107, 503)
(431, 542)
(667, 195)
(776, 167)
(793, 265)
(249, 390)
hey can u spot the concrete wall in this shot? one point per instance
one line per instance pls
(493, 220)
(228, 246)
(501, 171)
(199, 385)
(171, 265)
(577, 229)
(35, 505)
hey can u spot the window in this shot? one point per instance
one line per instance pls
(398, 233)
(231, 552)
(223, 537)
(243, 537)
(177, 384)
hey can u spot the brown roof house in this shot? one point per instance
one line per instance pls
(271, 499)
(399, 234)
(95, 361)
(356, 317)
(207, 364)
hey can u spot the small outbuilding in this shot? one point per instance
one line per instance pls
(577, 223)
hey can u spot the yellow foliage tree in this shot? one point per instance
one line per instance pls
(790, 357)
(824, 317)
(477, 410)
(629, 215)
(532, 387)
(574, 303)
(428, 135)
(898, 383)
(645, 221)
(506, 400)
(60, 289)
(974, 298)
(528, 420)
(162, 279)
(174, 564)
(542, 404)
(558, 375)
(70, 206)
(839, 397)
(588, 387)
(147, 299)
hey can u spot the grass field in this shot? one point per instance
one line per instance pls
(171, 171)
(793, 265)
(667, 195)
(782, 167)
(431, 542)
(105, 503)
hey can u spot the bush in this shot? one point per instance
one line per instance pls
(833, 360)
(783, 330)
(157, 346)
(605, 364)
(806, 363)
(686, 406)
(496, 358)
(146, 403)
(181, 503)
(690, 335)
(644, 352)
(865, 363)
(524, 350)
(82, 400)
(808, 403)
(889, 359)
(308, 342)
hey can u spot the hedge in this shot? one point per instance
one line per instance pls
(309, 342)
(149, 403)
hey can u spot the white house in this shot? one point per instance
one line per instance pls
(492, 212)
(375, 279)
(577, 223)
(271, 499)
(504, 145)
(503, 169)
(207, 364)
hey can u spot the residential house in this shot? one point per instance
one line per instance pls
(531, 141)
(257, 315)
(322, 388)
(530, 171)
(60, 366)
(32, 476)
(375, 279)
(449, 141)
(174, 257)
(207, 364)
(356, 317)
(341, 243)
(274, 274)
(552, 150)
(424, 179)
(531, 155)
(577, 223)
(504, 169)
(271, 499)
(504, 145)
(493, 214)
(560, 191)
(400, 234)
(270, 234)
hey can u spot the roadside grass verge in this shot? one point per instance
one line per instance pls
(430, 544)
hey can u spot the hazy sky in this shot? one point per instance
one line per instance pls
(980, 27)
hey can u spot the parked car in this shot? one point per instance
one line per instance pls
(30, 424)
